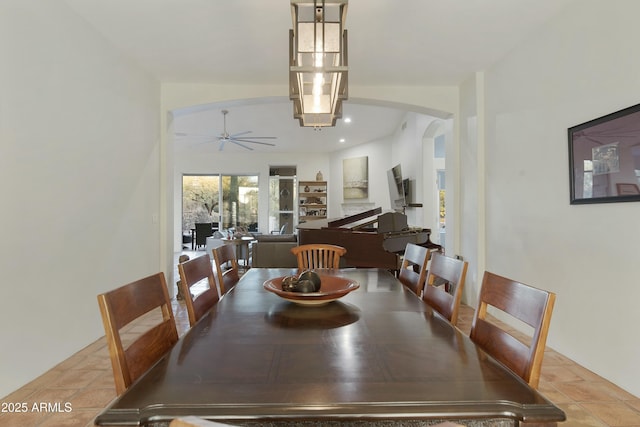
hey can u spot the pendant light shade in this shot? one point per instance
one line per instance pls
(318, 61)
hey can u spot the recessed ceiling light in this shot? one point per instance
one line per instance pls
(342, 140)
(347, 119)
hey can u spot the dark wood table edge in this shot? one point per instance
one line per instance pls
(542, 415)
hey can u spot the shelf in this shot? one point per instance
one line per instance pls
(315, 193)
(316, 183)
(312, 194)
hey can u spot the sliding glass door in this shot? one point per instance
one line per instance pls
(228, 201)
(240, 201)
(200, 200)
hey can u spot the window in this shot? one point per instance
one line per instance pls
(228, 200)
(200, 200)
(240, 201)
(439, 147)
(587, 179)
(439, 160)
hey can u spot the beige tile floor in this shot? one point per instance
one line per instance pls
(85, 382)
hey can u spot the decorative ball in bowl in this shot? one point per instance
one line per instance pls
(310, 288)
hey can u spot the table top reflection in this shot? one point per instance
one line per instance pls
(377, 353)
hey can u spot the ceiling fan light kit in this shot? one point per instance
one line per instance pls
(318, 61)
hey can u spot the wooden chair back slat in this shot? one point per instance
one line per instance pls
(123, 305)
(318, 255)
(527, 304)
(227, 277)
(192, 272)
(135, 300)
(415, 258)
(445, 299)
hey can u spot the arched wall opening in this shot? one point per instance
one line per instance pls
(438, 120)
(434, 190)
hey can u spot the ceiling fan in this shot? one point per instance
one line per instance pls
(235, 138)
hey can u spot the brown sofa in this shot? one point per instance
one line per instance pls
(274, 250)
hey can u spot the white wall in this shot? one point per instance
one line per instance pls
(471, 192)
(378, 155)
(79, 178)
(578, 67)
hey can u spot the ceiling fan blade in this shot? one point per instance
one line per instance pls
(222, 141)
(235, 141)
(253, 142)
(193, 135)
(239, 134)
(198, 141)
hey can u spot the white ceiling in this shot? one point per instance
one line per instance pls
(390, 42)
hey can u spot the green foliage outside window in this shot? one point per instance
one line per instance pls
(442, 209)
(201, 200)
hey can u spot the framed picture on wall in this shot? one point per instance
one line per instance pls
(355, 178)
(604, 158)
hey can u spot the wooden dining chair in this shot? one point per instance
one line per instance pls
(444, 285)
(318, 255)
(125, 304)
(226, 267)
(529, 305)
(192, 272)
(415, 258)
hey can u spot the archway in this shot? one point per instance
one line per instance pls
(437, 119)
(434, 189)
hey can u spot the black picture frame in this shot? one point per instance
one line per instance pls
(604, 158)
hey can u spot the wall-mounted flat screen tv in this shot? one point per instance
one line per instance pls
(396, 188)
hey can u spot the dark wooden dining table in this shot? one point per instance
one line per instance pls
(377, 356)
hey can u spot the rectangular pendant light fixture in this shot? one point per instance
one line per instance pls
(318, 61)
